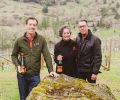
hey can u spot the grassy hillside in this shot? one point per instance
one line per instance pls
(13, 14)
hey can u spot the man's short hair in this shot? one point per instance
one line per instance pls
(62, 29)
(83, 20)
(31, 18)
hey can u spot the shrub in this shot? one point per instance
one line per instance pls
(63, 3)
(117, 5)
(117, 16)
(45, 9)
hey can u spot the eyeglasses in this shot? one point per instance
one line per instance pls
(83, 26)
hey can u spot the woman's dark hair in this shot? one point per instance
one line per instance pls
(62, 29)
(31, 18)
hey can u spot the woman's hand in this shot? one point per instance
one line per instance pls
(59, 57)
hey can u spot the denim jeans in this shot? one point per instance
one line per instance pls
(26, 84)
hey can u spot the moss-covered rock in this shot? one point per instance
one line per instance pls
(68, 88)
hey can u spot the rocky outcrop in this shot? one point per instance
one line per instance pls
(68, 88)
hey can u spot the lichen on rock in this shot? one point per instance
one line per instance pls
(69, 88)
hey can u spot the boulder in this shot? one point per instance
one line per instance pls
(69, 88)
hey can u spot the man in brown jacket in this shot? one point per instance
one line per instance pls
(26, 56)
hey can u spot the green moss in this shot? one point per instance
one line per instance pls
(68, 88)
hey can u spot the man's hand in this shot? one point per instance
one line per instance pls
(21, 69)
(93, 77)
(54, 74)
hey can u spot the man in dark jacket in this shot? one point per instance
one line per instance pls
(26, 56)
(89, 53)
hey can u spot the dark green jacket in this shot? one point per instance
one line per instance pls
(32, 57)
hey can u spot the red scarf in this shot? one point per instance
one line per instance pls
(30, 39)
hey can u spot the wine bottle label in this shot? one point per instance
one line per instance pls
(59, 69)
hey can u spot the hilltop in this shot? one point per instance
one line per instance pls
(51, 15)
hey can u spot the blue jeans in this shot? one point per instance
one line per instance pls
(26, 84)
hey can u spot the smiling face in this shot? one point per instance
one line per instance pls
(83, 27)
(31, 26)
(66, 34)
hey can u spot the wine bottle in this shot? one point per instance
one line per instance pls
(22, 67)
(59, 67)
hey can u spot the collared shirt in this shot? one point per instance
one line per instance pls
(30, 38)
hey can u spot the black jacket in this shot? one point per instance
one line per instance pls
(69, 52)
(89, 53)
